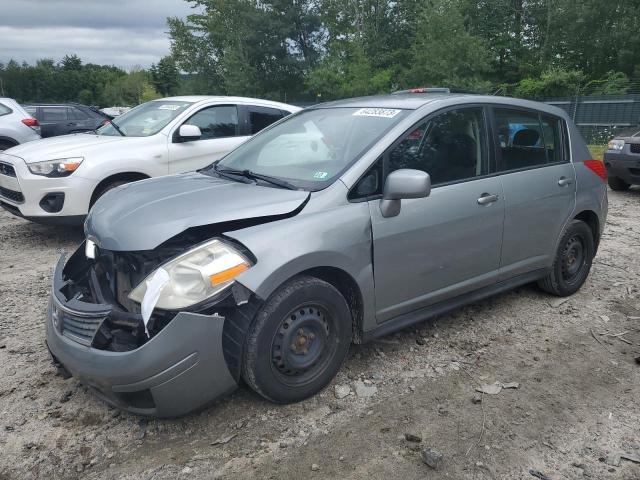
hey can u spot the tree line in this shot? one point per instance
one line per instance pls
(310, 50)
(69, 80)
(339, 48)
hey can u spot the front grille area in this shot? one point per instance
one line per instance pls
(12, 195)
(6, 169)
(78, 329)
(634, 147)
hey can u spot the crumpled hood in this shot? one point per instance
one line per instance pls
(75, 145)
(142, 215)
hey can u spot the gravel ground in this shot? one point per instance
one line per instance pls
(574, 412)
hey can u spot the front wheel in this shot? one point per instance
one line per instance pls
(572, 261)
(297, 341)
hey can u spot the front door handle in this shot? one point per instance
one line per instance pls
(564, 181)
(487, 198)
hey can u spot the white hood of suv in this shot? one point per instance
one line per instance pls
(75, 145)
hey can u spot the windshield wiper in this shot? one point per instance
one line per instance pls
(256, 176)
(113, 124)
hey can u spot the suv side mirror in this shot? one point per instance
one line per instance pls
(403, 184)
(188, 133)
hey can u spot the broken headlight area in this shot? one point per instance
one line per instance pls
(105, 285)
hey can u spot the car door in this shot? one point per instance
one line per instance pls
(220, 134)
(79, 121)
(539, 186)
(53, 120)
(448, 243)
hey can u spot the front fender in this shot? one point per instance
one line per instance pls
(339, 237)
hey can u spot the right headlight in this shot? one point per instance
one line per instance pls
(195, 275)
(616, 145)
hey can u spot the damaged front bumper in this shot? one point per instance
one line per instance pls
(178, 370)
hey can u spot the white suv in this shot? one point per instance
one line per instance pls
(16, 125)
(57, 180)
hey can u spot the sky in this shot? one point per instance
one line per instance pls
(125, 33)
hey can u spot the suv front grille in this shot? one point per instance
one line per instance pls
(634, 147)
(11, 195)
(6, 169)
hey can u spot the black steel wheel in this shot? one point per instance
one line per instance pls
(297, 341)
(572, 261)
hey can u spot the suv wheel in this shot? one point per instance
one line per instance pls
(572, 262)
(618, 184)
(110, 186)
(297, 341)
(5, 145)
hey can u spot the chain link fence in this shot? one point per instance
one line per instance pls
(600, 118)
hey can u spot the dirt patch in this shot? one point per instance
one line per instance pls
(574, 411)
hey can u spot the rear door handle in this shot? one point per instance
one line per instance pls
(487, 198)
(564, 181)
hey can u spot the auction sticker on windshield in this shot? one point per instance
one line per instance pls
(377, 112)
(169, 107)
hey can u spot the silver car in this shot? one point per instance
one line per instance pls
(16, 125)
(341, 223)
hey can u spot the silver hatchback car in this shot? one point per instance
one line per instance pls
(339, 224)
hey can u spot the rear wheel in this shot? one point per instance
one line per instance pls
(298, 341)
(618, 184)
(572, 262)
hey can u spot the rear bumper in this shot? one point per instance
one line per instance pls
(179, 370)
(624, 166)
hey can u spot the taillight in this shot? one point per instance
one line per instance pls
(597, 167)
(30, 122)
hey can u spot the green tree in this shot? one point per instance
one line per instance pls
(165, 76)
(552, 83)
(444, 53)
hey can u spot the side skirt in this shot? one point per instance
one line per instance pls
(422, 314)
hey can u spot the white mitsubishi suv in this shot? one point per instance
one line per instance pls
(57, 180)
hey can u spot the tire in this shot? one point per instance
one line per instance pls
(104, 189)
(572, 261)
(618, 184)
(6, 145)
(297, 341)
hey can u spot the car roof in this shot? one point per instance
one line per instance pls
(223, 98)
(414, 101)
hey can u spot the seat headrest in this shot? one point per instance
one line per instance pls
(462, 151)
(526, 138)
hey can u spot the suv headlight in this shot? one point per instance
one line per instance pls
(195, 275)
(62, 167)
(616, 145)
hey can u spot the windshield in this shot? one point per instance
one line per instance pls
(144, 120)
(310, 149)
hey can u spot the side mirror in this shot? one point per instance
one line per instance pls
(187, 133)
(403, 184)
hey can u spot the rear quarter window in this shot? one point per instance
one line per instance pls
(4, 110)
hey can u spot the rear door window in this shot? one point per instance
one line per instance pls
(262, 117)
(77, 114)
(54, 114)
(216, 122)
(528, 139)
(450, 147)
